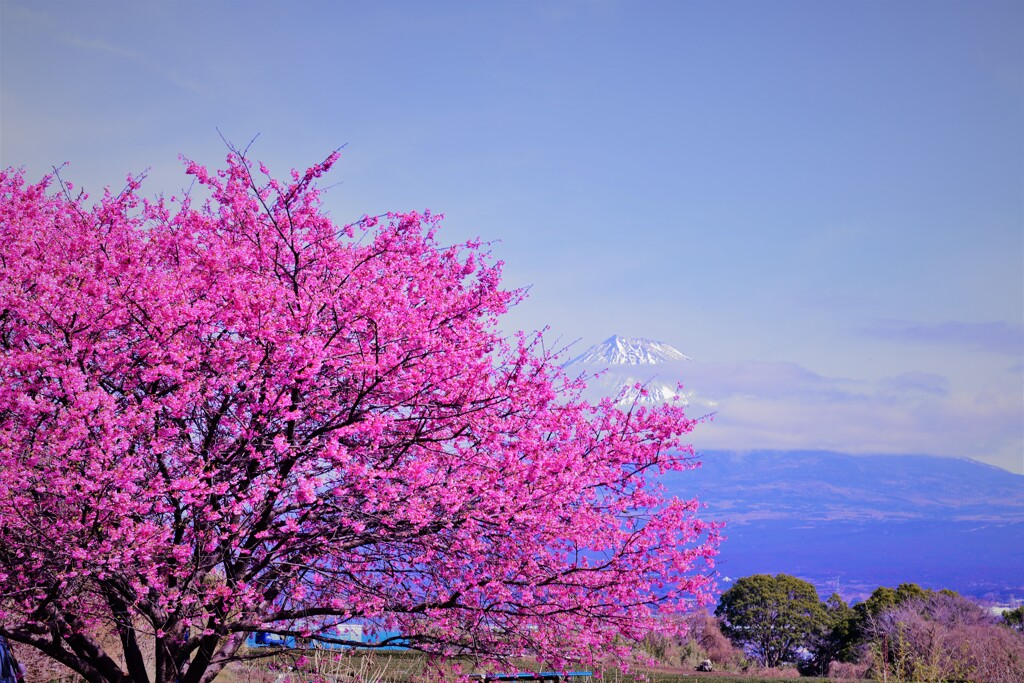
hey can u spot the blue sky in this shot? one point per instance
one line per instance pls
(822, 203)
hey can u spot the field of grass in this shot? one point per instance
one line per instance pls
(409, 667)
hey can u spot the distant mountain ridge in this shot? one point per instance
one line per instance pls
(823, 485)
(847, 523)
(850, 523)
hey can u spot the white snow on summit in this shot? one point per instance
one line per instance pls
(653, 392)
(620, 364)
(618, 350)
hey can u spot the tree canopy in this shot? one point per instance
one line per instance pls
(941, 636)
(884, 599)
(234, 415)
(771, 616)
(835, 639)
(903, 633)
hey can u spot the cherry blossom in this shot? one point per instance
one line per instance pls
(234, 415)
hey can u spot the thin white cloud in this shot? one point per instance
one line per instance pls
(168, 74)
(102, 46)
(914, 382)
(994, 337)
(22, 13)
(759, 405)
(985, 425)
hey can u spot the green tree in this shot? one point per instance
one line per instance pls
(771, 617)
(884, 599)
(836, 640)
(1014, 618)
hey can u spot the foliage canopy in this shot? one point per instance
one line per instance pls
(771, 616)
(241, 417)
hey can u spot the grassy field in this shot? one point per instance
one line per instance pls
(683, 676)
(407, 667)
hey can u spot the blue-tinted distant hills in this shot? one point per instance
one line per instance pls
(823, 485)
(846, 523)
(851, 523)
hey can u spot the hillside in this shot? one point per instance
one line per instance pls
(850, 523)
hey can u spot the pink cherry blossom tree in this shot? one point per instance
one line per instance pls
(231, 416)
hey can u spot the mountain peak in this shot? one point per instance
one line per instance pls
(616, 350)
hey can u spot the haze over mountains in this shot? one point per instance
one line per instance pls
(847, 523)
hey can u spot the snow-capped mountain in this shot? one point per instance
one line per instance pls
(622, 363)
(616, 350)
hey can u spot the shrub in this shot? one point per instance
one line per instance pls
(850, 671)
(706, 637)
(944, 637)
